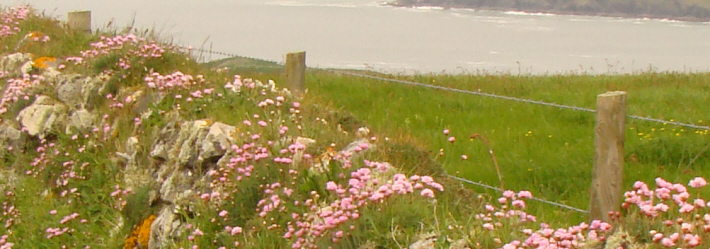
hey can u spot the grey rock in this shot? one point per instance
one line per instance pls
(11, 63)
(69, 90)
(42, 116)
(217, 141)
(81, 120)
(91, 90)
(11, 137)
(184, 152)
(166, 227)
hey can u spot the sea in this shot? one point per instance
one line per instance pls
(366, 34)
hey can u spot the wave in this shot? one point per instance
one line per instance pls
(523, 13)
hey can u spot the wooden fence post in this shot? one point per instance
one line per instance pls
(607, 178)
(296, 72)
(79, 20)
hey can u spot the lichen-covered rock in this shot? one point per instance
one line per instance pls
(12, 63)
(42, 116)
(81, 120)
(166, 227)
(218, 140)
(10, 137)
(92, 89)
(184, 154)
(425, 241)
(69, 90)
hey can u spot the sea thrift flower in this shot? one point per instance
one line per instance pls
(697, 182)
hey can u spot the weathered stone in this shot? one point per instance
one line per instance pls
(425, 241)
(218, 139)
(167, 137)
(191, 134)
(69, 90)
(11, 137)
(166, 227)
(13, 62)
(81, 120)
(185, 152)
(91, 90)
(42, 116)
(459, 244)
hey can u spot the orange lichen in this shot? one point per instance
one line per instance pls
(141, 235)
(43, 62)
(35, 35)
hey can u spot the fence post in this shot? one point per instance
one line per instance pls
(296, 72)
(79, 20)
(607, 175)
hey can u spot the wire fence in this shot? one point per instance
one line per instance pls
(491, 95)
(479, 93)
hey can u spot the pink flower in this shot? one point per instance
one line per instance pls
(236, 230)
(53, 212)
(525, 194)
(446, 132)
(331, 186)
(427, 193)
(488, 226)
(223, 213)
(464, 157)
(697, 182)
(452, 139)
(667, 242)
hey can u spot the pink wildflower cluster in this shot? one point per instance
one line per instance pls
(64, 222)
(683, 219)
(363, 189)
(9, 213)
(17, 89)
(119, 195)
(10, 20)
(572, 237)
(109, 44)
(5, 243)
(178, 81)
(509, 209)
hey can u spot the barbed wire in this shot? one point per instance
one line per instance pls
(501, 190)
(467, 91)
(537, 102)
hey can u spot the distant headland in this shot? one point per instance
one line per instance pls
(683, 10)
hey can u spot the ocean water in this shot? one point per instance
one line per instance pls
(365, 34)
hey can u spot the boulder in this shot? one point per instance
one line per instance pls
(93, 88)
(13, 62)
(425, 241)
(184, 154)
(219, 138)
(11, 137)
(166, 227)
(42, 116)
(81, 120)
(69, 90)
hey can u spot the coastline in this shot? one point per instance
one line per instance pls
(558, 12)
